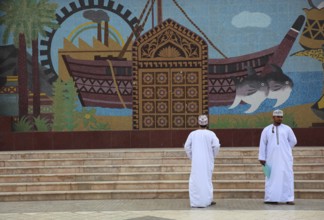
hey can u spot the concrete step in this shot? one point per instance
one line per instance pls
(149, 176)
(144, 168)
(144, 173)
(113, 194)
(145, 194)
(140, 185)
(145, 153)
(140, 161)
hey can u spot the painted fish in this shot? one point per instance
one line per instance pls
(280, 85)
(252, 90)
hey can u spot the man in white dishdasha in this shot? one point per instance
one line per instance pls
(201, 147)
(276, 144)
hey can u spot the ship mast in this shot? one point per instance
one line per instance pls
(196, 26)
(159, 12)
(138, 27)
(159, 16)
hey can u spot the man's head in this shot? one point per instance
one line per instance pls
(277, 116)
(203, 120)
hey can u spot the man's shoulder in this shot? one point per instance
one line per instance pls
(268, 126)
(285, 126)
(194, 132)
(210, 132)
(202, 131)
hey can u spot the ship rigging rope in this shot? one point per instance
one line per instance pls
(143, 12)
(138, 27)
(191, 21)
(148, 13)
(115, 83)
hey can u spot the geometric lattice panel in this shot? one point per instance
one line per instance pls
(170, 99)
(170, 85)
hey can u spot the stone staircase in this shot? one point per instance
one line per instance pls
(144, 174)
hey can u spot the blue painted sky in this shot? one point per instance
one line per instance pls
(236, 27)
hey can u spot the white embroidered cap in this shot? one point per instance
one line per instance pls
(277, 112)
(202, 120)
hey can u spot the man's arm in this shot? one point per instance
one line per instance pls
(263, 162)
(187, 147)
(215, 145)
(291, 138)
(262, 147)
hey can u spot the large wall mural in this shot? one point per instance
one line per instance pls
(81, 65)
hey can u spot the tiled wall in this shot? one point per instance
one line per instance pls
(11, 141)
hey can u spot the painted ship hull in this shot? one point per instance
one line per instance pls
(221, 87)
(102, 83)
(108, 83)
(222, 71)
(97, 89)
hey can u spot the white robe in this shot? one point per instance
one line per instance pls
(275, 148)
(201, 147)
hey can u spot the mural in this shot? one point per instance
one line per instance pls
(254, 89)
(157, 64)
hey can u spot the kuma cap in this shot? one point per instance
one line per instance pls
(202, 120)
(277, 112)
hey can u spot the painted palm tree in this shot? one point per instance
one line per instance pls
(25, 20)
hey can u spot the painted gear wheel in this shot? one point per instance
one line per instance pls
(77, 6)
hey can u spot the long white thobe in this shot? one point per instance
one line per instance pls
(276, 144)
(201, 147)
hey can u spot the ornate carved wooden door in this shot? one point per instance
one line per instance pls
(170, 78)
(170, 98)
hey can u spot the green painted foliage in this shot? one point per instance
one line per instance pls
(262, 122)
(99, 126)
(23, 125)
(242, 123)
(58, 115)
(289, 120)
(69, 101)
(42, 124)
(227, 122)
(66, 116)
(30, 17)
(64, 105)
(222, 122)
(89, 122)
(26, 124)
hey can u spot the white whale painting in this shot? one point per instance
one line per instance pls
(255, 89)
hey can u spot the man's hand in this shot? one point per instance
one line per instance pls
(263, 162)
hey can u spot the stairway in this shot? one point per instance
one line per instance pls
(144, 174)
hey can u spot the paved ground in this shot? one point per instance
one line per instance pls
(160, 209)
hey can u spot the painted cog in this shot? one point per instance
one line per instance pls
(45, 54)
